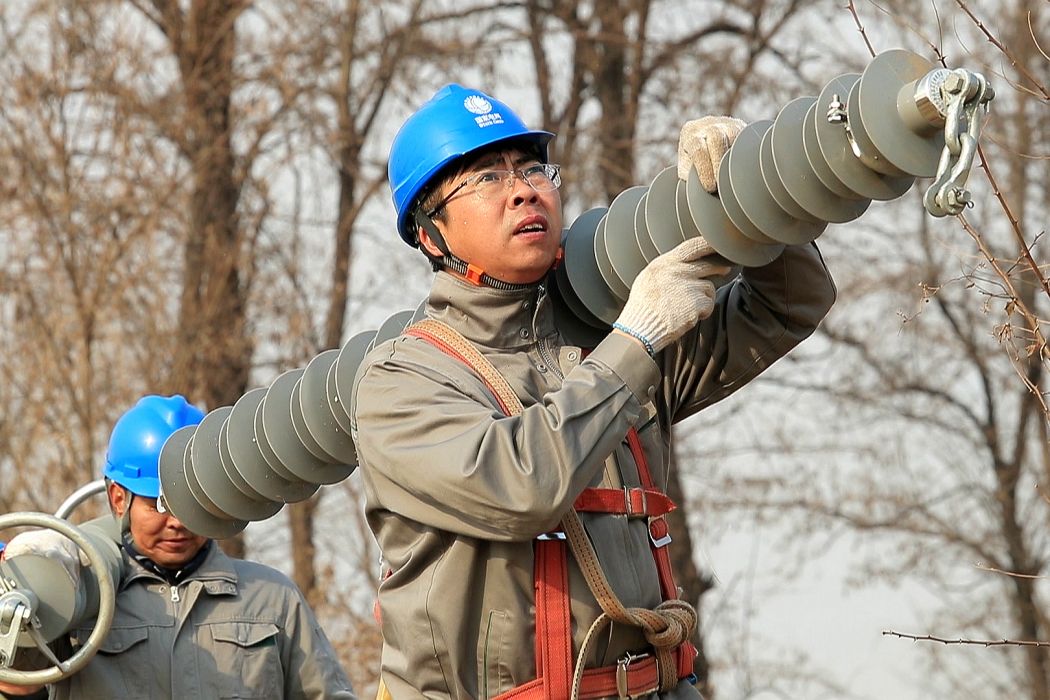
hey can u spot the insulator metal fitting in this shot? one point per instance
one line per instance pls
(930, 94)
(836, 110)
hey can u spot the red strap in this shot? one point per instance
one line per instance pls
(641, 678)
(660, 553)
(658, 530)
(554, 655)
(644, 474)
(634, 502)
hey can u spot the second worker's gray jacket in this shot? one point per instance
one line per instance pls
(232, 629)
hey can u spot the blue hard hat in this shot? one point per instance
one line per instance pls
(454, 122)
(139, 435)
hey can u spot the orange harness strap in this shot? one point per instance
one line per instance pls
(633, 503)
(639, 678)
(553, 618)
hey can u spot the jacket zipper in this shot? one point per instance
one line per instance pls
(546, 354)
(548, 357)
(175, 594)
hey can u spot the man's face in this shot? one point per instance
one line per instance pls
(160, 536)
(513, 235)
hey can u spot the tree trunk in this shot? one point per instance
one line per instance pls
(616, 130)
(304, 551)
(213, 356)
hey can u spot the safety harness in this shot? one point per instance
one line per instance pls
(668, 627)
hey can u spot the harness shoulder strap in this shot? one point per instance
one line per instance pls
(553, 643)
(452, 343)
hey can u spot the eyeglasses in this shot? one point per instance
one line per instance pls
(542, 177)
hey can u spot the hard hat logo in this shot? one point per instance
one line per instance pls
(477, 104)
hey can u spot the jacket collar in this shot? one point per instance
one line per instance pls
(215, 567)
(489, 317)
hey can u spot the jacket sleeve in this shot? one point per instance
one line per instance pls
(312, 670)
(760, 316)
(433, 444)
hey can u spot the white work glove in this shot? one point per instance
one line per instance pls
(672, 294)
(702, 143)
(50, 544)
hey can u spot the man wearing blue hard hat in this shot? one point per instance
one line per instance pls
(515, 482)
(190, 621)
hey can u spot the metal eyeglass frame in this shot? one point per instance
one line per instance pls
(551, 171)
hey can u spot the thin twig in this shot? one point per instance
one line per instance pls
(976, 642)
(1033, 321)
(998, 44)
(1038, 344)
(1013, 574)
(1015, 224)
(860, 27)
(1035, 39)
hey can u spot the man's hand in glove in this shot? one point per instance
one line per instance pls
(672, 294)
(702, 143)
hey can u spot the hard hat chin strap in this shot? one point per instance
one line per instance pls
(461, 267)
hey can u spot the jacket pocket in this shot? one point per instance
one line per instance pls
(494, 676)
(245, 657)
(119, 640)
(120, 670)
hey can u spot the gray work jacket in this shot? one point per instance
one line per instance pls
(232, 629)
(456, 491)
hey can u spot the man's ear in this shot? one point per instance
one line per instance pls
(118, 498)
(427, 243)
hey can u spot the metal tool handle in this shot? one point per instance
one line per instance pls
(79, 496)
(107, 602)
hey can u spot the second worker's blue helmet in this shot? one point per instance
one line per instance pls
(134, 445)
(456, 121)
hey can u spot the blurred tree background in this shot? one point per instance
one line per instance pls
(193, 200)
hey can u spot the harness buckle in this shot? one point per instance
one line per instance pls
(631, 498)
(623, 688)
(659, 533)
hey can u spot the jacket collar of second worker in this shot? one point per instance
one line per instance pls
(488, 317)
(216, 566)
